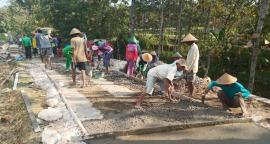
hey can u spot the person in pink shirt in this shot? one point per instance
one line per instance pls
(131, 56)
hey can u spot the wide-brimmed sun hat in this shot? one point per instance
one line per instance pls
(147, 57)
(226, 79)
(266, 42)
(189, 38)
(94, 47)
(182, 62)
(74, 31)
(153, 53)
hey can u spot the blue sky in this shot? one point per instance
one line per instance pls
(4, 3)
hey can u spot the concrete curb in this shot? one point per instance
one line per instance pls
(34, 122)
(261, 99)
(164, 129)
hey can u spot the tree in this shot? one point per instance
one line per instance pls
(132, 16)
(161, 29)
(257, 42)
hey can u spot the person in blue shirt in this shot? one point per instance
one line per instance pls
(232, 93)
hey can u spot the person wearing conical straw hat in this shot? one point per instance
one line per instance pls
(142, 63)
(154, 61)
(163, 75)
(79, 55)
(192, 61)
(232, 93)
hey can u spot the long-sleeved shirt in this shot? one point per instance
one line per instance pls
(231, 90)
(193, 59)
(26, 41)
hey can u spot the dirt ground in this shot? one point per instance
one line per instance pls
(15, 126)
(120, 115)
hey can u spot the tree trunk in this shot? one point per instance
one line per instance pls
(256, 48)
(132, 17)
(181, 8)
(161, 31)
(206, 26)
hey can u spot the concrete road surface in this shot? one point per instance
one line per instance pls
(247, 133)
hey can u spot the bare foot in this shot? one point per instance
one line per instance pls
(82, 86)
(246, 115)
(72, 83)
(139, 107)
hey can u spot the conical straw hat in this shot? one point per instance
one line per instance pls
(147, 57)
(266, 42)
(226, 79)
(74, 31)
(182, 62)
(189, 38)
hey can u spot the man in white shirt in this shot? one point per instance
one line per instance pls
(163, 75)
(192, 62)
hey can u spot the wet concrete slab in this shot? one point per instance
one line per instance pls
(121, 118)
(245, 133)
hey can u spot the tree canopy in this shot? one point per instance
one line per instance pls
(223, 27)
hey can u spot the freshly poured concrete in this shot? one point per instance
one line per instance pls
(246, 133)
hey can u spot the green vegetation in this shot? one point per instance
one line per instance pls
(223, 28)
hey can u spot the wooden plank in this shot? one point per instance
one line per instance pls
(34, 122)
(10, 74)
(16, 81)
(261, 99)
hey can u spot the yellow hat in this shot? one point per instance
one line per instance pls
(189, 38)
(147, 57)
(74, 31)
(182, 62)
(266, 42)
(226, 79)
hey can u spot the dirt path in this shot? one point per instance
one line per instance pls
(15, 125)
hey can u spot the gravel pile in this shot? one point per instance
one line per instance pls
(180, 84)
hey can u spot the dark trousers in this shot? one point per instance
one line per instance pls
(54, 51)
(35, 51)
(28, 53)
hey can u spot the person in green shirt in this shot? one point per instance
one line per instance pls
(27, 44)
(67, 51)
(232, 93)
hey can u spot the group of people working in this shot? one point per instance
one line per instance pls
(39, 41)
(231, 92)
(142, 64)
(139, 62)
(78, 53)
